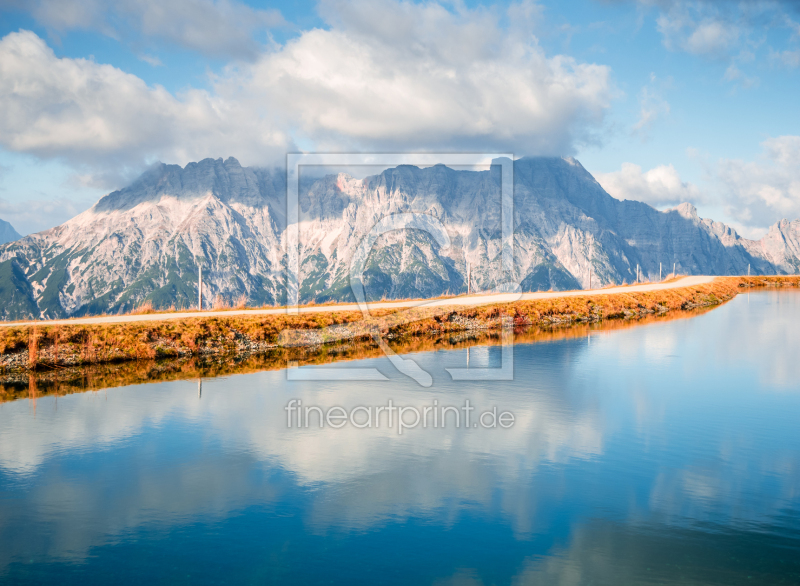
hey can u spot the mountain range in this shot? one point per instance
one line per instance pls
(146, 241)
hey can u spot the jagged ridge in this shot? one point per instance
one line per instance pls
(144, 242)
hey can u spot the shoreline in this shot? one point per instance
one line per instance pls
(48, 346)
(98, 376)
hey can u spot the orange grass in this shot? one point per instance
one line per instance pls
(64, 381)
(26, 347)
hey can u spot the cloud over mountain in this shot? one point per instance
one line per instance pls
(389, 75)
(660, 186)
(755, 192)
(412, 76)
(101, 117)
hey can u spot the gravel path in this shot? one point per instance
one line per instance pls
(461, 301)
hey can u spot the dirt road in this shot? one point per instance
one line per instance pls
(460, 301)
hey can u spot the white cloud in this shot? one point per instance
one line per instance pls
(212, 27)
(731, 32)
(386, 75)
(760, 192)
(402, 75)
(659, 187)
(754, 194)
(103, 118)
(698, 28)
(711, 37)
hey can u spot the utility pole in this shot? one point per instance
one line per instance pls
(659, 273)
(674, 274)
(200, 289)
(748, 270)
(637, 274)
(469, 279)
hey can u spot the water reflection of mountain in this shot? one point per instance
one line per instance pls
(137, 476)
(621, 449)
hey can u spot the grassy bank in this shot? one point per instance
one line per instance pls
(43, 347)
(45, 381)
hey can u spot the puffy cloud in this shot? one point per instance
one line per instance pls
(213, 27)
(101, 117)
(409, 76)
(755, 194)
(383, 75)
(660, 186)
(760, 192)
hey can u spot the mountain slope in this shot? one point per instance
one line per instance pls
(7, 233)
(145, 242)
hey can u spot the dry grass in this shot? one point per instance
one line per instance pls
(24, 347)
(145, 308)
(766, 281)
(220, 303)
(63, 381)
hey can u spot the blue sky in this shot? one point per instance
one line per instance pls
(662, 101)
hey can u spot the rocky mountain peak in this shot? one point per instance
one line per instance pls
(687, 210)
(144, 242)
(225, 180)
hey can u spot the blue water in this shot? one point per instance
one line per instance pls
(663, 454)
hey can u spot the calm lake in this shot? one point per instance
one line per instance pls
(662, 454)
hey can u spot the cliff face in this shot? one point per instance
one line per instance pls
(144, 242)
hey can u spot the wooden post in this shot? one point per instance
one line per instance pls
(33, 348)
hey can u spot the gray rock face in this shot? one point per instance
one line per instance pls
(144, 242)
(7, 233)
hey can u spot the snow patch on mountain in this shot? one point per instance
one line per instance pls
(146, 242)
